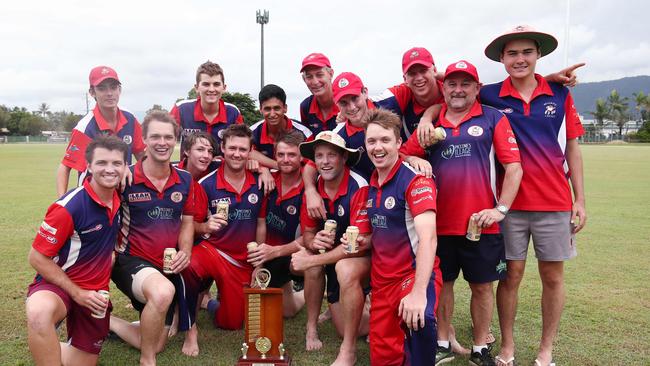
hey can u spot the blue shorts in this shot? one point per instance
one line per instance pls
(483, 261)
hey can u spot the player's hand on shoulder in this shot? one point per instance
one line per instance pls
(265, 180)
(315, 205)
(420, 165)
(253, 165)
(126, 181)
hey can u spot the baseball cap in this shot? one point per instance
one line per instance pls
(346, 83)
(332, 138)
(464, 67)
(416, 55)
(101, 73)
(546, 42)
(315, 59)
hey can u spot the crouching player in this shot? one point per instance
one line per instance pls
(405, 278)
(73, 254)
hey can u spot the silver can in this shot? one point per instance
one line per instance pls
(107, 296)
(352, 233)
(168, 259)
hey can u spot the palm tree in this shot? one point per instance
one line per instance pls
(601, 113)
(642, 102)
(618, 107)
(43, 109)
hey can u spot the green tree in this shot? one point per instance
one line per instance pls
(600, 114)
(43, 110)
(619, 110)
(31, 125)
(156, 107)
(642, 106)
(70, 121)
(4, 116)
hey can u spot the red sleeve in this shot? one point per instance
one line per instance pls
(188, 209)
(305, 220)
(412, 147)
(264, 207)
(55, 230)
(505, 143)
(574, 127)
(402, 95)
(176, 114)
(421, 195)
(359, 211)
(239, 119)
(75, 152)
(200, 204)
(138, 141)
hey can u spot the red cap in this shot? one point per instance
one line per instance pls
(346, 83)
(464, 67)
(315, 59)
(101, 73)
(416, 55)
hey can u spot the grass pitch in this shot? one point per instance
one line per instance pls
(606, 319)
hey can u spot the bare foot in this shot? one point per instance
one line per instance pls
(345, 358)
(325, 316)
(173, 328)
(205, 297)
(458, 348)
(312, 342)
(191, 344)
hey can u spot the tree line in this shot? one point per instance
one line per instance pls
(616, 108)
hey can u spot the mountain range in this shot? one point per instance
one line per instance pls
(586, 94)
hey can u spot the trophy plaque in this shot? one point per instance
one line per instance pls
(264, 328)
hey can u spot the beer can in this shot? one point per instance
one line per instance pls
(473, 230)
(222, 210)
(252, 245)
(352, 232)
(330, 226)
(168, 258)
(102, 314)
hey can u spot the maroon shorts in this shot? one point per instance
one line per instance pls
(84, 332)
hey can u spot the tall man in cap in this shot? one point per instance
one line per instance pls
(318, 111)
(105, 118)
(73, 254)
(346, 273)
(208, 112)
(546, 124)
(405, 278)
(479, 141)
(158, 214)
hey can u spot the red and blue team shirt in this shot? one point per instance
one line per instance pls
(214, 165)
(466, 165)
(152, 219)
(311, 116)
(355, 138)
(342, 208)
(400, 100)
(282, 213)
(79, 231)
(93, 124)
(190, 117)
(543, 128)
(263, 142)
(390, 209)
(243, 211)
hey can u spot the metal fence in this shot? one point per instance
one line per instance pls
(34, 139)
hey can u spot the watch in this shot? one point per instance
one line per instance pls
(503, 209)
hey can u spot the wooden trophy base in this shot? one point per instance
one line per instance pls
(256, 361)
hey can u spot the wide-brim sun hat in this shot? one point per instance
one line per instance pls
(307, 149)
(546, 42)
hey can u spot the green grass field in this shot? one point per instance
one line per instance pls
(606, 320)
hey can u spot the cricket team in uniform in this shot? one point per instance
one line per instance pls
(378, 203)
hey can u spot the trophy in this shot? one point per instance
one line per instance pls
(264, 329)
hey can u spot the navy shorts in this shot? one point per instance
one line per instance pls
(280, 271)
(483, 261)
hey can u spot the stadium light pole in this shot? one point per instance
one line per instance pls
(262, 18)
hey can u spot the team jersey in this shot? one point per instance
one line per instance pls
(93, 124)
(190, 117)
(400, 100)
(214, 165)
(152, 219)
(342, 208)
(355, 139)
(542, 128)
(390, 209)
(79, 231)
(263, 141)
(465, 165)
(311, 116)
(243, 211)
(282, 213)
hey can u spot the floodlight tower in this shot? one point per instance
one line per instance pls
(262, 18)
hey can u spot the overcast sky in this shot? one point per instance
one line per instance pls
(49, 47)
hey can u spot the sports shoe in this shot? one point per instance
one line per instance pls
(444, 355)
(482, 359)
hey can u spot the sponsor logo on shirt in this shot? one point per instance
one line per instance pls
(512, 140)
(341, 211)
(421, 190)
(188, 131)
(73, 148)
(506, 110)
(139, 197)
(213, 203)
(369, 203)
(220, 134)
(50, 239)
(389, 203)
(176, 197)
(275, 221)
(379, 221)
(475, 131)
(291, 210)
(240, 214)
(501, 267)
(457, 151)
(96, 228)
(252, 198)
(161, 213)
(45, 226)
(549, 109)
(127, 139)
